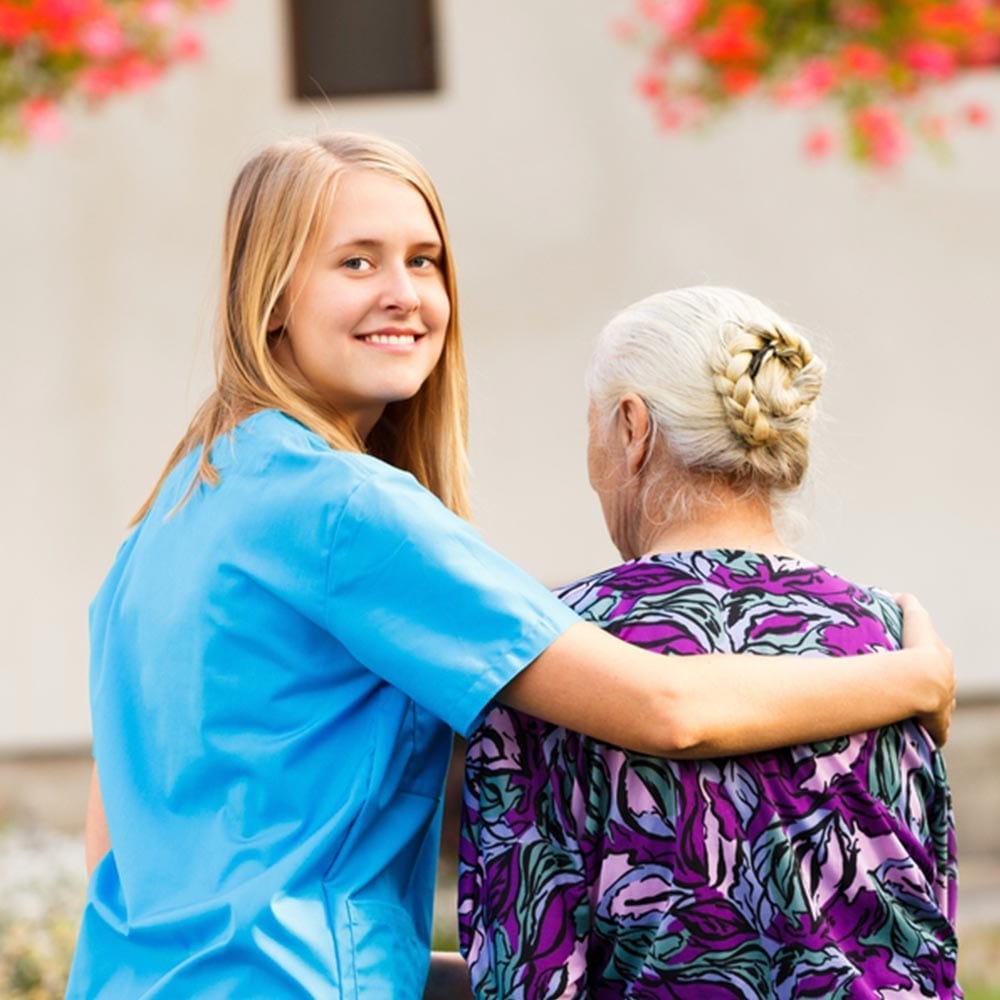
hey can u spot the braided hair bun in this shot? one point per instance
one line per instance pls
(767, 379)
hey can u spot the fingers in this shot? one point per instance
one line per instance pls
(938, 723)
(909, 604)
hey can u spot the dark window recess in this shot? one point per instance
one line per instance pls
(363, 47)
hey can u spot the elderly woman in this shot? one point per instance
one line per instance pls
(820, 870)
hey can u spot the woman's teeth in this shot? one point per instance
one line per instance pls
(389, 338)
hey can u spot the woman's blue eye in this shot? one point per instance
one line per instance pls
(422, 261)
(356, 264)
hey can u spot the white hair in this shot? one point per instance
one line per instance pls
(729, 384)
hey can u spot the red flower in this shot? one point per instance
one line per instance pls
(15, 24)
(729, 45)
(737, 80)
(863, 61)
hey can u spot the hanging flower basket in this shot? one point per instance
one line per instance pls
(55, 51)
(877, 65)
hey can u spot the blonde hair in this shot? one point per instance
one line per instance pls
(729, 384)
(276, 211)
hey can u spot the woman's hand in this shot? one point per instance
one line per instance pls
(919, 635)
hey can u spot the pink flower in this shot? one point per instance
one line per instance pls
(683, 112)
(41, 119)
(818, 143)
(976, 114)
(670, 118)
(931, 59)
(814, 80)
(158, 13)
(102, 38)
(137, 73)
(99, 82)
(187, 46)
(859, 15)
(649, 84)
(675, 18)
(623, 29)
(935, 127)
(880, 135)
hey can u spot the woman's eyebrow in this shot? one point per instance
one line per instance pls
(369, 243)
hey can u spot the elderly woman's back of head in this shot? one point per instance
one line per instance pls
(728, 383)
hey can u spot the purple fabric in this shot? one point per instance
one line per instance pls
(814, 871)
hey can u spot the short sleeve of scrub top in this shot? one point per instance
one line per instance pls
(415, 595)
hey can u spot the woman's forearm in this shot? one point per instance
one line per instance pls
(714, 704)
(740, 708)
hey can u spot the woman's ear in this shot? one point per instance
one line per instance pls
(635, 427)
(278, 317)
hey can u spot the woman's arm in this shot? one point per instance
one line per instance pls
(97, 841)
(716, 704)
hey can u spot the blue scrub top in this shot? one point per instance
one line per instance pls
(276, 662)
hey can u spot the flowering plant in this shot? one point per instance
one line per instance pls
(876, 61)
(52, 50)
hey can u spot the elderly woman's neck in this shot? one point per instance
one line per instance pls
(737, 523)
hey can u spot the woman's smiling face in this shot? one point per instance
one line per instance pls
(366, 310)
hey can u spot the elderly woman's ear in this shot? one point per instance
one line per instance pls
(634, 431)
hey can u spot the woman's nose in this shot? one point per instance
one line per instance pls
(400, 291)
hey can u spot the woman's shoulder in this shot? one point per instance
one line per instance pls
(736, 588)
(808, 599)
(274, 439)
(272, 452)
(275, 473)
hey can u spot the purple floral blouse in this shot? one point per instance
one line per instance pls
(825, 870)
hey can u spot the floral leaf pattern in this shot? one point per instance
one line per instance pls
(825, 870)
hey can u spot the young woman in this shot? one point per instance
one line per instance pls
(816, 870)
(301, 615)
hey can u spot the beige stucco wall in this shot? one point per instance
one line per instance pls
(565, 205)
